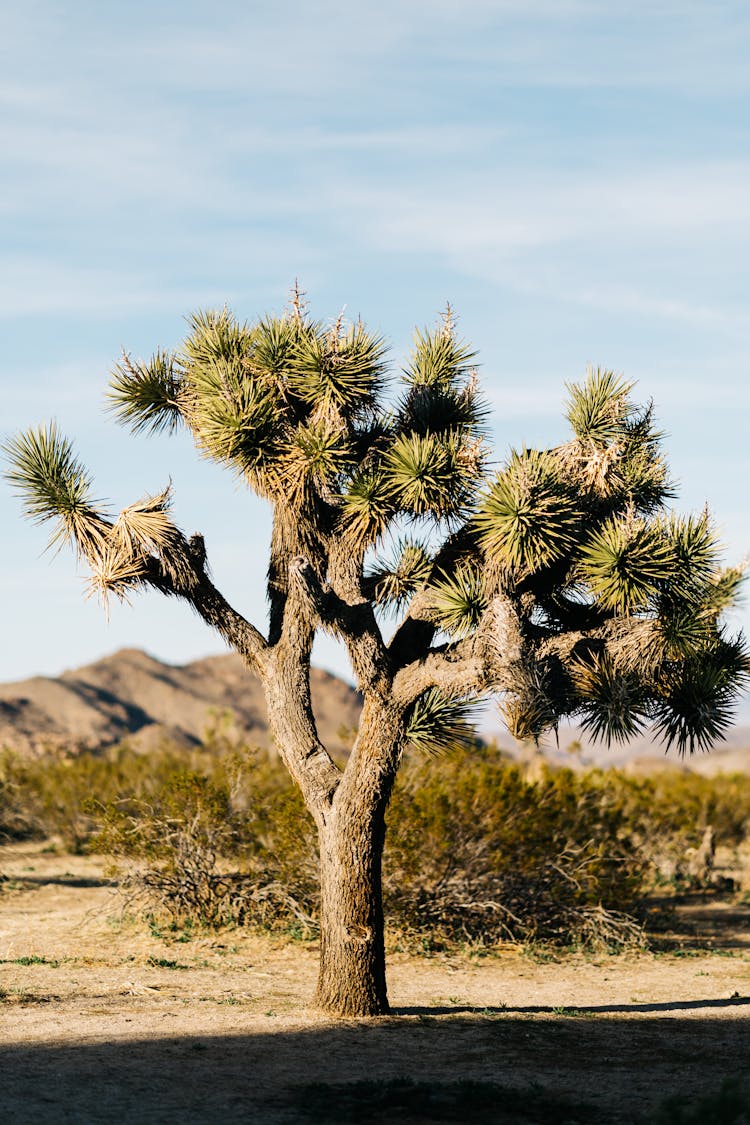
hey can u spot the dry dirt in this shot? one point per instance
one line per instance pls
(102, 1020)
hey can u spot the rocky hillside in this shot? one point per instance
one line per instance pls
(131, 694)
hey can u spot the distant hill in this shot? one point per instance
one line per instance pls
(132, 694)
(643, 754)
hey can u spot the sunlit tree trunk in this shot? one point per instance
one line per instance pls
(351, 981)
(352, 835)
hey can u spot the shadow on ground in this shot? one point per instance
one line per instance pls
(585, 1010)
(579, 1067)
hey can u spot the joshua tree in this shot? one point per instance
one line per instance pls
(561, 582)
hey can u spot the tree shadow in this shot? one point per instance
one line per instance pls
(64, 880)
(616, 1069)
(584, 1009)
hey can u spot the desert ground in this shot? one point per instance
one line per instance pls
(105, 1019)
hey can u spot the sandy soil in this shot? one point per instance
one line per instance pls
(102, 1020)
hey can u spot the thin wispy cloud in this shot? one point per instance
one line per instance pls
(574, 176)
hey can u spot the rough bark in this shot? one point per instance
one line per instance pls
(287, 689)
(351, 980)
(352, 943)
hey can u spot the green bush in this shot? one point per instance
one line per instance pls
(478, 852)
(51, 796)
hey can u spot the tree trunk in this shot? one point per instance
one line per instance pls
(352, 950)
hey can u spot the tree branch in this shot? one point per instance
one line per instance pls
(481, 662)
(354, 623)
(413, 637)
(284, 667)
(184, 575)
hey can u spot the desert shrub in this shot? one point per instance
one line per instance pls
(12, 824)
(52, 795)
(479, 852)
(476, 851)
(680, 806)
(675, 815)
(171, 851)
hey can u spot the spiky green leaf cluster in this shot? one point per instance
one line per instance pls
(343, 368)
(614, 456)
(439, 358)
(694, 550)
(458, 599)
(395, 580)
(528, 517)
(438, 723)
(317, 455)
(426, 475)
(147, 396)
(54, 485)
(697, 697)
(613, 702)
(600, 407)
(367, 504)
(625, 562)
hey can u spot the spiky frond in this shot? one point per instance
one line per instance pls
(614, 453)
(146, 526)
(316, 455)
(642, 472)
(599, 407)
(437, 723)
(626, 562)
(439, 359)
(216, 334)
(642, 645)
(116, 571)
(147, 397)
(613, 703)
(395, 581)
(458, 600)
(724, 588)
(275, 340)
(527, 519)
(55, 485)
(439, 410)
(343, 367)
(367, 506)
(431, 475)
(696, 698)
(234, 418)
(695, 552)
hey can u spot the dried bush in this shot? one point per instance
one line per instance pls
(170, 853)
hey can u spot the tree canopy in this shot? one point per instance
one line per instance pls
(562, 580)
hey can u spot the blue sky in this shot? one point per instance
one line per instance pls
(573, 176)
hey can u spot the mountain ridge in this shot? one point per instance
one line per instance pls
(131, 694)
